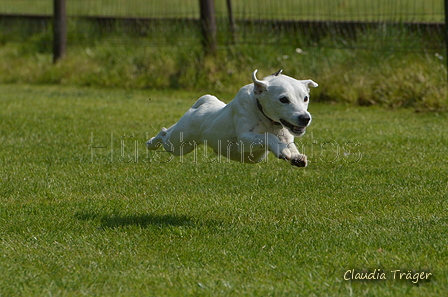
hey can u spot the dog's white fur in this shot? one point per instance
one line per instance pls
(245, 130)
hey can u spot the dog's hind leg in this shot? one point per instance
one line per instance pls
(160, 139)
(172, 140)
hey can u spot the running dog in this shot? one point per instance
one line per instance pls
(264, 116)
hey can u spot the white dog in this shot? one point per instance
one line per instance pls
(263, 116)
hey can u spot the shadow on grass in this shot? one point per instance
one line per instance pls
(143, 221)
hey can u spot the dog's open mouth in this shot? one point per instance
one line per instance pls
(297, 130)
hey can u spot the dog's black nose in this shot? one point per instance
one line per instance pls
(304, 119)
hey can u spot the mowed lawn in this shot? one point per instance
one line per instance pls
(86, 210)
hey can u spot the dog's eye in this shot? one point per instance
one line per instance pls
(284, 99)
(305, 99)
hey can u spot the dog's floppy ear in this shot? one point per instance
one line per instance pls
(309, 83)
(259, 86)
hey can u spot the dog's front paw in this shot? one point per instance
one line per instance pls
(299, 161)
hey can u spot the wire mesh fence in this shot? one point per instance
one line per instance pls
(405, 25)
(353, 10)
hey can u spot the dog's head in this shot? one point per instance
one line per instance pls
(285, 100)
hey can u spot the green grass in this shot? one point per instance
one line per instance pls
(382, 10)
(71, 225)
(381, 76)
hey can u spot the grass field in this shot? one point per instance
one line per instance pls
(381, 77)
(380, 10)
(114, 221)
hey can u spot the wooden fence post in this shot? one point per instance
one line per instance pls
(59, 30)
(446, 35)
(208, 25)
(232, 24)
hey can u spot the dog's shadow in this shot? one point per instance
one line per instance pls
(112, 221)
